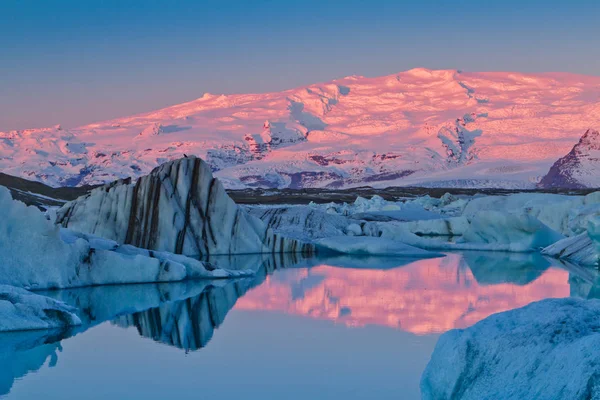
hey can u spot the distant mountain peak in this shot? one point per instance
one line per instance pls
(580, 167)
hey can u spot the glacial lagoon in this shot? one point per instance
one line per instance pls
(343, 328)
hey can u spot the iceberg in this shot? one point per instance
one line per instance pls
(583, 249)
(546, 350)
(178, 208)
(565, 214)
(36, 254)
(303, 222)
(22, 310)
(487, 231)
(517, 231)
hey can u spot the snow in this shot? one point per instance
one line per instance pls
(23, 310)
(36, 254)
(371, 246)
(431, 128)
(545, 350)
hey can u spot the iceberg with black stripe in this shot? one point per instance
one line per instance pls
(178, 208)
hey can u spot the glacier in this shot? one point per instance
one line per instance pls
(545, 350)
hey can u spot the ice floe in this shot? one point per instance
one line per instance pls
(546, 350)
(583, 249)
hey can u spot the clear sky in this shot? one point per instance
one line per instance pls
(78, 61)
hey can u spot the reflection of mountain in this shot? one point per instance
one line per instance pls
(425, 296)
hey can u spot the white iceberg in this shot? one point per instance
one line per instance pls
(36, 254)
(23, 310)
(546, 350)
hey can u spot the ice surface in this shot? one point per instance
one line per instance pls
(23, 310)
(546, 350)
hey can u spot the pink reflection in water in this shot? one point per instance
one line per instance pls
(427, 296)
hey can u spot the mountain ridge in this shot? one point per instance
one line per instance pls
(414, 128)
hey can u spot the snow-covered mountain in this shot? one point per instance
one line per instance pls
(580, 168)
(420, 127)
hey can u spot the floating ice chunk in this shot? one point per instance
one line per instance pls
(521, 232)
(366, 245)
(23, 310)
(546, 350)
(34, 253)
(489, 231)
(582, 249)
(565, 214)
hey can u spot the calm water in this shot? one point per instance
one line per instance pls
(342, 329)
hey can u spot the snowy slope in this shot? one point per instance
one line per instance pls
(419, 127)
(578, 169)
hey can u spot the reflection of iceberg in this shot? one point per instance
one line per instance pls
(187, 324)
(181, 314)
(24, 352)
(495, 268)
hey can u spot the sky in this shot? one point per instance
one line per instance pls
(74, 62)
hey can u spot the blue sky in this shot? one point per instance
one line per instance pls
(76, 62)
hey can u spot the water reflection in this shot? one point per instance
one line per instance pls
(426, 296)
(24, 352)
(421, 297)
